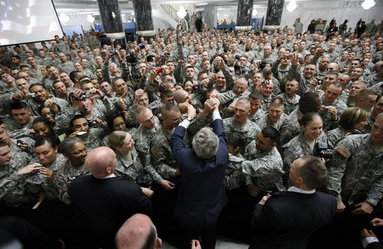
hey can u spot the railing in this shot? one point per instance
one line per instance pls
(172, 12)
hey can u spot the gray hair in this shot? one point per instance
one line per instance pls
(205, 143)
(68, 143)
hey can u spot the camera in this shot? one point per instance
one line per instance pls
(19, 142)
(131, 58)
(92, 123)
(142, 46)
(196, 88)
(321, 150)
(31, 95)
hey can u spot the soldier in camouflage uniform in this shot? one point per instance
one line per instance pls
(13, 192)
(355, 172)
(143, 136)
(275, 115)
(309, 102)
(263, 164)
(303, 144)
(128, 163)
(256, 111)
(290, 98)
(20, 125)
(162, 158)
(75, 151)
(240, 123)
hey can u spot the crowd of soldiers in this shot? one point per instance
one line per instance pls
(282, 95)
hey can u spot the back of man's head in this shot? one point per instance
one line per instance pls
(101, 162)
(314, 172)
(138, 232)
(205, 143)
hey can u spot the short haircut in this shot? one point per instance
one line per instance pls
(352, 116)
(36, 84)
(271, 133)
(18, 105)
(77, 116)
(255, 96)
(363, 94)
(337, 85)
(140, 110)
(276, 102)
(313, 171)
(235, 139)
(205, 143)
(67, 145)
(166, 94)
(167, 107)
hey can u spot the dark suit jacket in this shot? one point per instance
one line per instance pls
(288, 219)
(374, 245)
(202, 194)
(107, 203)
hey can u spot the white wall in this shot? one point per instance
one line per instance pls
(230, 13)
(329, 9)
(77, 19)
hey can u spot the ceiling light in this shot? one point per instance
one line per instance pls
(255, 12)
(368, 4)
(291, 6)
(181, 12)
(64, 18)
(90, 18)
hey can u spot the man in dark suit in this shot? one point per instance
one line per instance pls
(105, 199)
(287, 219)
(202, 195)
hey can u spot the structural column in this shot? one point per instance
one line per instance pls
(144, 21)
(274, 14)
(111, 20)
(244, 13)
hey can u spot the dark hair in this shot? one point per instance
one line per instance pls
(67, 144)
(236, 140)
(2, 143)
(255, 96)
(313, 171)
(272, 133)
(77, 116)
(306, 102)
(17, 105)
(36, 84)
(308, 117)
(52, 140)
(112, 118)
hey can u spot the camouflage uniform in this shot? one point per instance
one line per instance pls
(264, 121)
(265, 103)
(356, 171)
(234, 178)
(298, 147)
(263, 168)
(49, 186)
(335, 135)
(162, 156)
(94, 138)
(129, 166)
(143, 138)
(290, 104)
(67, 67)
(255, 117)
(60, 47)
(248, 131)
(17, 130)
(12, 185)
(64, 176)
(291, 127)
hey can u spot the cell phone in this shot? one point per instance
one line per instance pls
(159, 70)
(31, 95)
(81, 133)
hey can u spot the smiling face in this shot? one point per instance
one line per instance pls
(312, 129)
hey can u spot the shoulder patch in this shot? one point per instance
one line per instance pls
(343, 152)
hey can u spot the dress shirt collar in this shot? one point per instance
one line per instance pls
(301, 191)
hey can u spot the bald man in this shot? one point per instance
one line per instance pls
(105, 199)
(138, 232)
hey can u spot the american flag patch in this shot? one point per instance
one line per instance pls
(343, 152)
